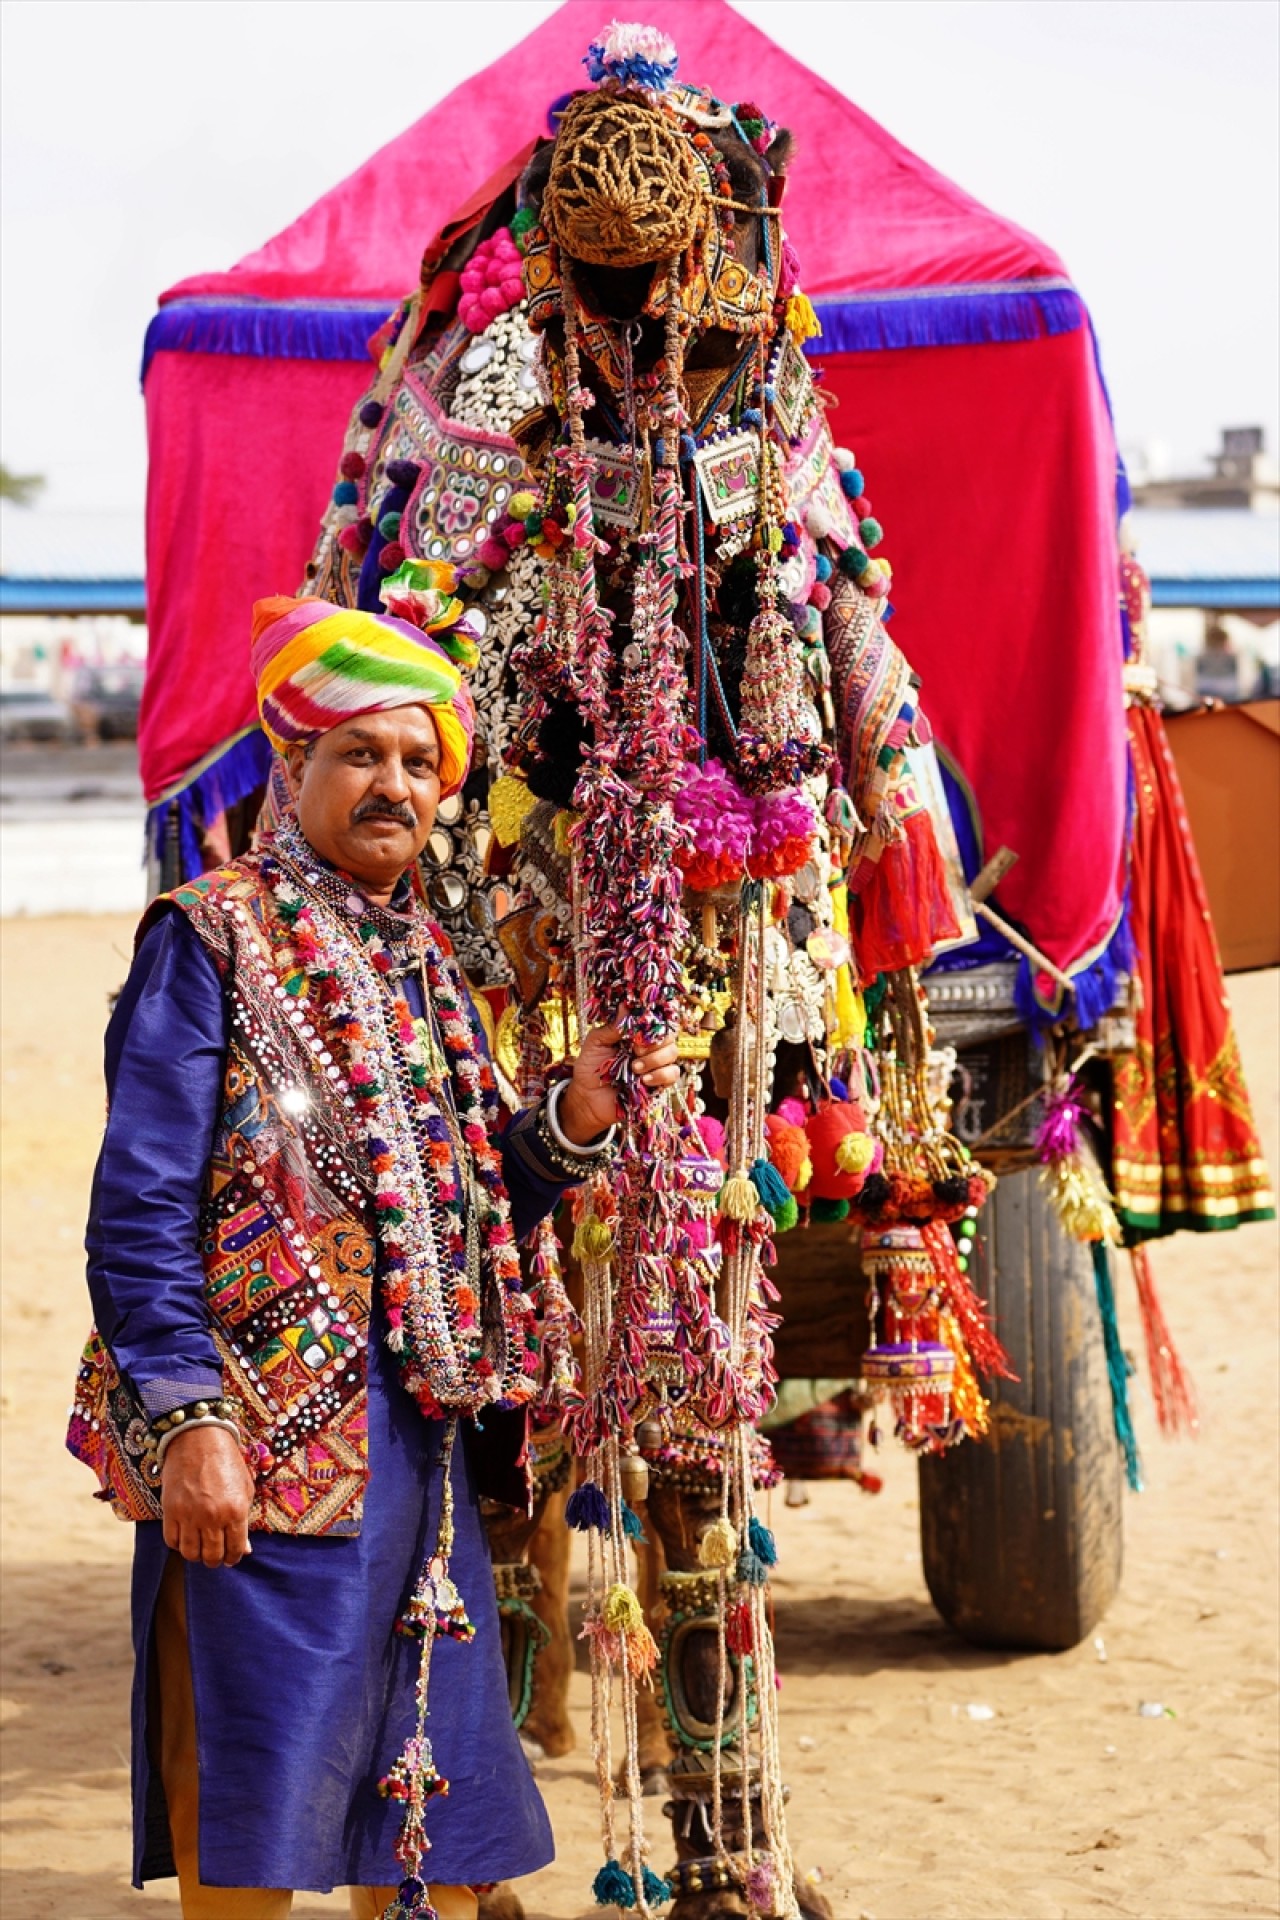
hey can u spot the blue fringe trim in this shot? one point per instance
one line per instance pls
(230, 774)
(851, 323)
(265, 329)
(946, 316)
(1097, 984)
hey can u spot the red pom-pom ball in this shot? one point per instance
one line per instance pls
(826, 1131)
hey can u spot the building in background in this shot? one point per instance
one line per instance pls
(1211, 546)
(73, 642)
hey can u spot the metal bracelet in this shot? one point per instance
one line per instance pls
(163, 1441)
(590, 1152)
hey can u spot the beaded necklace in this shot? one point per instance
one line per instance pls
(459, 1320)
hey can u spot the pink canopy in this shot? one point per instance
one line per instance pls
(964, 368)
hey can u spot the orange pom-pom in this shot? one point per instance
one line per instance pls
(789, 1151)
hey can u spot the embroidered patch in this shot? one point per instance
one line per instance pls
(729, 474)
(467, 474)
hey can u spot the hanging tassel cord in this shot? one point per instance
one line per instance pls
(1172, 1388)
(980, 1337)
(1117, 1366)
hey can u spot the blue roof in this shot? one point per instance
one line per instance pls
(1220, 557)
(25, 595)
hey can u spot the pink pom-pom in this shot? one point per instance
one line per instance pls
(492, 281)
(493, 554)
(391, 557)
(820, 595)
(862, 507)
(353, 539)
(513, 535)
(711, 803)
(792, 1111)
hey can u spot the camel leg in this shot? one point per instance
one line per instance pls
(688, 1689)
(548, 1721)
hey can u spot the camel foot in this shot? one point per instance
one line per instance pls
(500, 1903)
(552, 1737)
(654, 1780)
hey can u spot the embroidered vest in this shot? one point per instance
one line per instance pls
(287, 1241)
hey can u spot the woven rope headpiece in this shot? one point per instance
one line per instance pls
(624, 186)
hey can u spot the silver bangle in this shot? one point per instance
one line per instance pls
(203, 1420)
(603, 1145)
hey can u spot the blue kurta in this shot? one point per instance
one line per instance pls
(304, 1693)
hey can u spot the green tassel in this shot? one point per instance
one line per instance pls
(613, 1886)
(656, 1890)
(830, 1209)
(1118, 1368)
(786, 1216)
(751, 1570)
(775, 1195)
(762, 1542)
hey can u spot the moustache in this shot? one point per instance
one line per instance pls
(384, 810)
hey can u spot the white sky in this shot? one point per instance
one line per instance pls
(144, 140)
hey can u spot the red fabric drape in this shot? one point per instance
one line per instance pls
(1185, 1149)
(992, 470)
(991, 467)
(243, 454)
(913, 226)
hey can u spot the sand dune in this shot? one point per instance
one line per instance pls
(1065, 1802)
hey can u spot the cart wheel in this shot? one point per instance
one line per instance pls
(1023, 1532)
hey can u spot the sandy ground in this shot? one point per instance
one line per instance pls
(1065, 1802)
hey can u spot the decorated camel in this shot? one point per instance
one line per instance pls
(595, 465)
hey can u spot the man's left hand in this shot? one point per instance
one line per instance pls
(589, 1104)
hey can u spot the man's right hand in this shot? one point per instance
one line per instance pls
(206, 1491)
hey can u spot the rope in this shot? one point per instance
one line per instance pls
(623, 187)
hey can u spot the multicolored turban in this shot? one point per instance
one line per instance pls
(317, 665)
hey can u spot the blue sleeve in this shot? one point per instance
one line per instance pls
(166, 1051)
(533, 1183)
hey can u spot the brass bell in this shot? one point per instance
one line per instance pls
(635, 1479)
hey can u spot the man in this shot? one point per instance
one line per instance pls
(313, 1350)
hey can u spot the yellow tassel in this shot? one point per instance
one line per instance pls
(802, 322)
(1081, 1201)
(509, 801)
(718, 1546)
(967, 1400)
(805, 1175)
(622, 1612)
(737, 1199)
(593, 1239)
(855, 1153)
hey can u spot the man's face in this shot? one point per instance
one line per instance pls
(367, 793)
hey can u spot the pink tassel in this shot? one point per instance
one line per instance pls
(1058, 1135)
